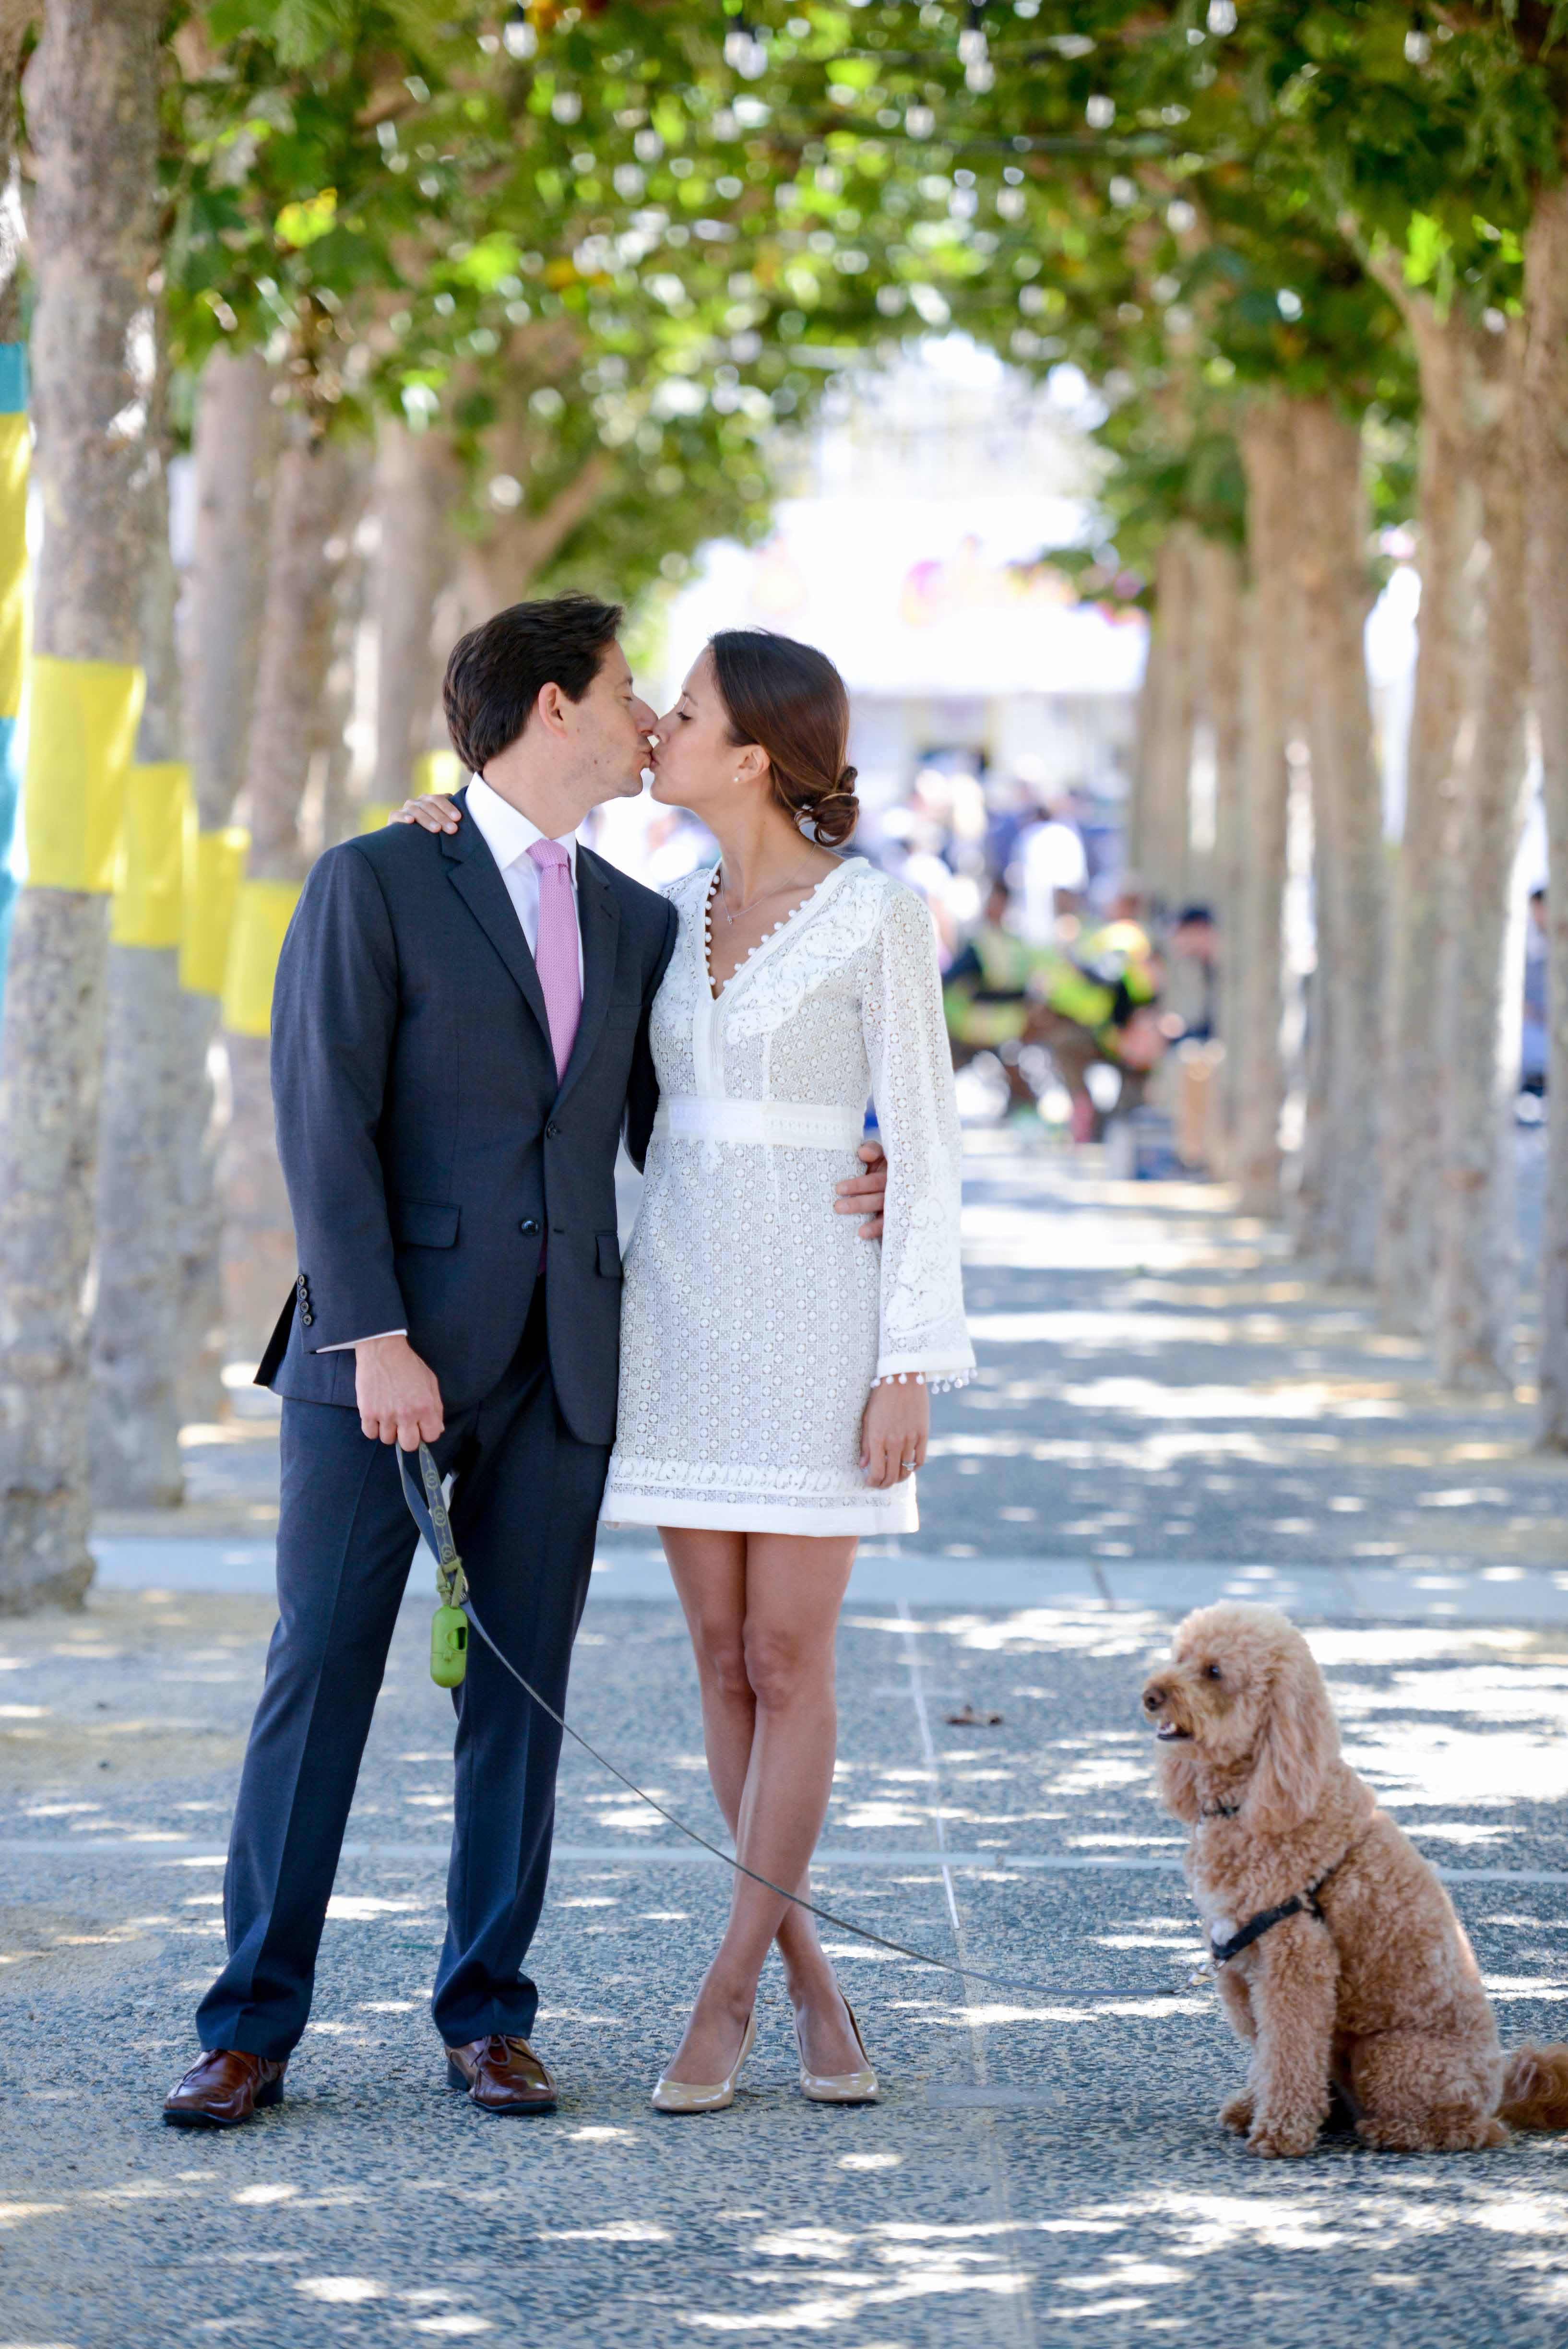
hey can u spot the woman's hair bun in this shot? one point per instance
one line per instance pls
(834, 816)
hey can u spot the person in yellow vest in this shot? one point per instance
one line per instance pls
(990, 994)
(1097, 1006)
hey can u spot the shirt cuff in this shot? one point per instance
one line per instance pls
(347, 1345)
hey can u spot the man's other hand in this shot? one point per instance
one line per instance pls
(865, 1194)
(399, 1399)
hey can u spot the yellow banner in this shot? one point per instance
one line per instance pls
(439, 771)
(147, 886)
(214, 864)
(82, 730)
(15, 454)
(261, 918)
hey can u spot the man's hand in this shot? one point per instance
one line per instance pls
(399, 1401)
(863, 1195)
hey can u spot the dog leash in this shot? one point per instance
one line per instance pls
(449, 1662)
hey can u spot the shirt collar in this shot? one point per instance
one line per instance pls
(505, 831)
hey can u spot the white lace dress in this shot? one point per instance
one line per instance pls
(756, 1320)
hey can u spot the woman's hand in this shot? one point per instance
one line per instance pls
(433, 812)
(894, 1431)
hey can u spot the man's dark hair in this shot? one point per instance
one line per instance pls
(498, 670)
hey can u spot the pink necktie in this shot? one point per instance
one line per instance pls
(556, 955)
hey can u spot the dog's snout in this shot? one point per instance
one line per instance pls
(1154, 1696)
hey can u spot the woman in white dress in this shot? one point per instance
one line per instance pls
(776, 1370)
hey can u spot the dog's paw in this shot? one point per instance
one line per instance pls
(1236, 2114)
(1282, 2139)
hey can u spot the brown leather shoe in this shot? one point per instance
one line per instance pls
(502, 2076)
(226, 2087)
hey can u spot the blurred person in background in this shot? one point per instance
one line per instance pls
(1099, 1008)
(1012, 805)
(1193, 991)
(1050, 870)
(1535, 1038)
(990, 994)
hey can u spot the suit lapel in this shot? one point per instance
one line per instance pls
(475, 875)
(599, 918)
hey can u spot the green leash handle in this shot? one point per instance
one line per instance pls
(448, 1630)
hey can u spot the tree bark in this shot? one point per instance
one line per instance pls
(417, 485)
(1546, 450)
(1482, 974)
(1266, 441)
(309, 542)
(15, 17)
(134, 1422)
(235, 454)
(499, 569)
(1167, 812)
(1224, 621)
(92, 91)
(1146, 735)
(1337, 593)
(1448, 526)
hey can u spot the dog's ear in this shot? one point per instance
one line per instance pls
(1177, 1780)
(1300, 1742)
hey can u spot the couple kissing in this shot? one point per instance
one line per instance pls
(472, 1011)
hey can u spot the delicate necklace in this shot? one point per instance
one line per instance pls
(776, 890)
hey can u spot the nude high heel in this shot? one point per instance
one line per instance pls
(839, 2087)
(693, 2096)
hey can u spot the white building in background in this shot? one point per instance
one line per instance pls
(923, 490)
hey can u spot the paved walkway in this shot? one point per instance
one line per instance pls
(1166, 1412)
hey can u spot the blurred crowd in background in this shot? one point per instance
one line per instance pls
(1066, 990)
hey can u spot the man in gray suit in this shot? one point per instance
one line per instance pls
(460, 1041)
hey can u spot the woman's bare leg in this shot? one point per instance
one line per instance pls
(794, 1586)
(708, 1570)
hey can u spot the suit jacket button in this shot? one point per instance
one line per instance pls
(307, 1317)
(529, 1225)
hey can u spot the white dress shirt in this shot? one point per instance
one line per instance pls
(508, 834)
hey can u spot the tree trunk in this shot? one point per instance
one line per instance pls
(1266, 453)
(1167, 808)
(1337, 594)
(134, 1422)
(1546, 450)
(1476, 1239)
(1222, 598)
(14, 461)
(1448, 526)
(92, 91)
(309, 542)
(1146, 735)
(499, 568)
(1309, 1198)
(235, 447)
(417, 484)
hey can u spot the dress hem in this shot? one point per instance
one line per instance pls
(760, 1516)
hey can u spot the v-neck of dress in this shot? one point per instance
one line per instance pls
(770, 938)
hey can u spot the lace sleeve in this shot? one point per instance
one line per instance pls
(922, 1322)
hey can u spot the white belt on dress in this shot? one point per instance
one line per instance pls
(798, 1126)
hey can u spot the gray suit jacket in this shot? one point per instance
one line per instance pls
(424, 1137)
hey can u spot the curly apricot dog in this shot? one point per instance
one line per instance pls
(1343, 1962)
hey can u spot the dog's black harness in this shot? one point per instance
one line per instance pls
(1301, 1904)
(1256, 1927)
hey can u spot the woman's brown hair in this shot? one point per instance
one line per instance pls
(790, 699)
